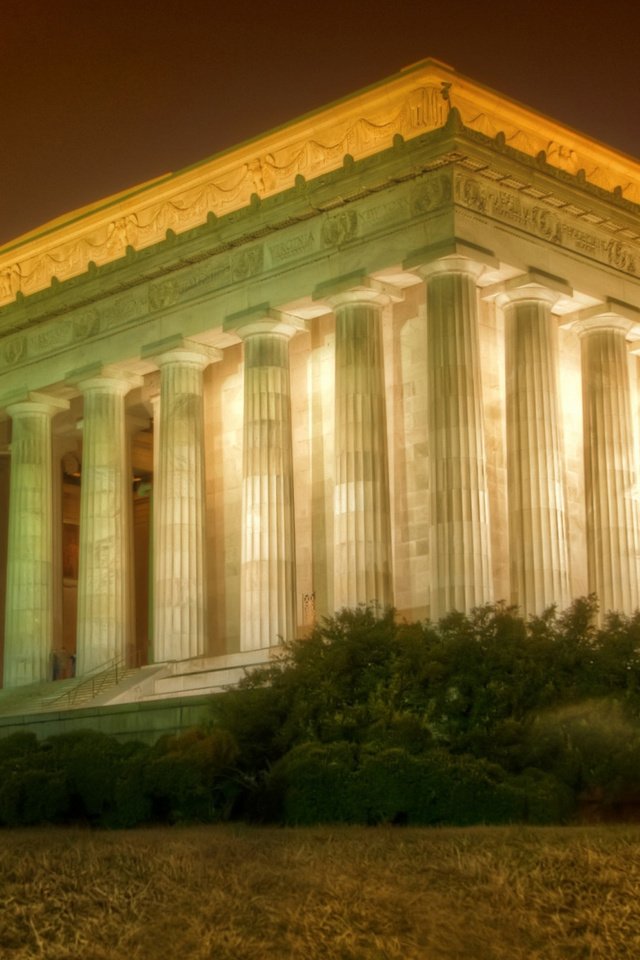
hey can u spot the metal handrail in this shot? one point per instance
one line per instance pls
(95, 679)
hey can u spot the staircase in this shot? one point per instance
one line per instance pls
(85, 689)
(52, 696)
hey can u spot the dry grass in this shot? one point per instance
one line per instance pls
(230, 893)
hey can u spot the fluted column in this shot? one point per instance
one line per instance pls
(537, 523)
(610, 479)
(104, 578)
(362, 527)
(459, 542)
(268, 574)
(29, 603)
(179, 581)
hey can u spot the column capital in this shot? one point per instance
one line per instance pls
(33, 402)
(178, 349)
(109, 379)
(532, 286)
(452, 256)
(610, 315)
(356, 288)
(263, 319)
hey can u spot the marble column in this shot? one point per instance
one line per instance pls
(609, 462)
(538, 551)
(268, 563)
(362, 526)
(104, 627)
(459, 542)
(28, 640)
(179, 581)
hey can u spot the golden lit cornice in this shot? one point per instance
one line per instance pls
(410, 103)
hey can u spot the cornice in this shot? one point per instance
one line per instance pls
(404, 106)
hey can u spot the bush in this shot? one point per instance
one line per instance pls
(308, 785)
(17, 746)
(331, 783)
(592, 746)
(191, 777)
(88, 776)
(91, 763)
(132, 803)
(547, 800)
(31, 796)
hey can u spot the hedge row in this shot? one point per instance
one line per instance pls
(331, 783)
(89, 777)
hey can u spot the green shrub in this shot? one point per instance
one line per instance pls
(16, 746)
(435, 788)
(91, 763)
(592, 745)
(330, 783)
(31, 796)
(547, 800)
(131, 801)
(190, 777)
(308, 785)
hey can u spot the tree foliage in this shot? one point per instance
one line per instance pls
(527, 697)
(485, 717)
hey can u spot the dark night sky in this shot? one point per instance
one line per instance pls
(98, 96)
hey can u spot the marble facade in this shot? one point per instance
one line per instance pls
(386, 354)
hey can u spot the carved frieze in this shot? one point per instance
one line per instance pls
(386, 210)
(199, 278)
(247, 263)
(13, 350)
(220, 188)
(298, 245)
(430, 193)
(406, 106)
(390, 211)
(510, 206)
(86, 324)
(339, 228)
(55, 335)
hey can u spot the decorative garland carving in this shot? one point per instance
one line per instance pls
(221, 191)
(407, 106)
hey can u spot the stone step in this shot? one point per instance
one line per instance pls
(56, 695)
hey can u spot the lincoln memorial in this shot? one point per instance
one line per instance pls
(386, 354)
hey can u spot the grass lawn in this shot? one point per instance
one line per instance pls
(320, 893)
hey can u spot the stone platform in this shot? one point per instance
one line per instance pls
(132, 704)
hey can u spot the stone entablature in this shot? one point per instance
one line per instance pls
(408, 105)
(386, 382)
(389, 211)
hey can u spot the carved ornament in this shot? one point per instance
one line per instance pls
(407, 105)
(512, 207)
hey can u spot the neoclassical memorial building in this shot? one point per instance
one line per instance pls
(386, 353)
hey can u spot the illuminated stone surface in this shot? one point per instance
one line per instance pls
(610, 478)
(426, 317)
(29, 602)
(104, 585)
(179, 580)
(537, 522)
(459, 529)
(362, 530)
(268, 591)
